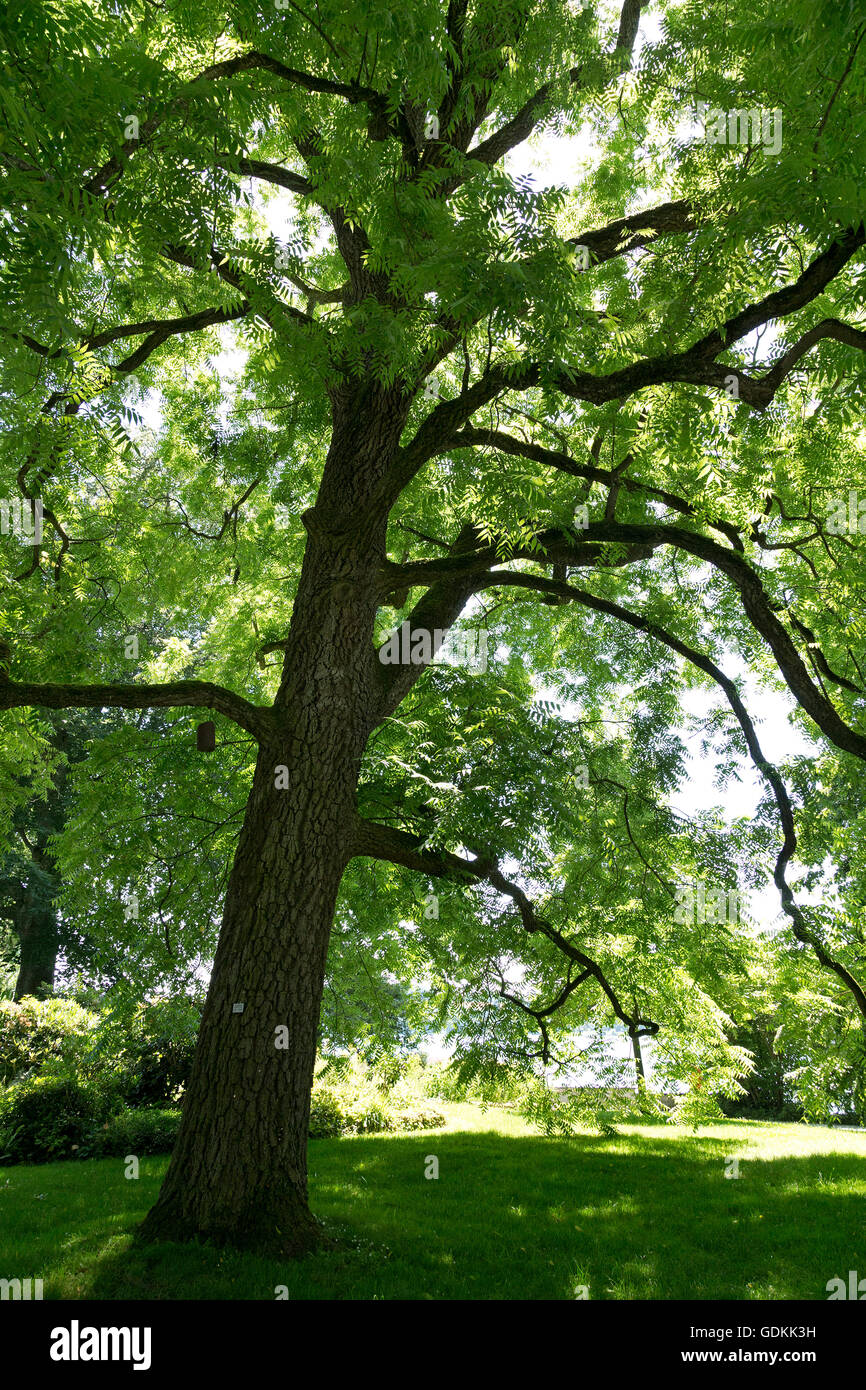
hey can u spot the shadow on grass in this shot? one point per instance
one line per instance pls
(514, 1218)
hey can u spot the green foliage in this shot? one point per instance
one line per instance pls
(143, 1050)
(52, 1117)
(475, 1079)
(831, 1086)
(149, 1129)
(144, 473)
(39, 1032)
(768, 1090)
(695, 1108)
(327, 1119)
(350, 1097)
(146, 1048)
(554, 1113)
(553, 1110)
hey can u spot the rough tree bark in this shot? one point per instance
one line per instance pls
(238, 1173)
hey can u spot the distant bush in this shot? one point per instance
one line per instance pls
(44, 1118)
(148, 1130)
(36, 1032)
(477, 1081)
(331, 1117)
(327, 1120)
(146, 1051)
(118, 1090)
(419, 1117)
(350, 1097)
(48, 1118)
(162, 1060)
(744, 1109)
(149, 1050)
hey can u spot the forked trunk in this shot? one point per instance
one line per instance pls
(238, 1173)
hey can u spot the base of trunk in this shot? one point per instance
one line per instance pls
(280, 1224)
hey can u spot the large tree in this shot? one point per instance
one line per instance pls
(29, 881)
(554, 411)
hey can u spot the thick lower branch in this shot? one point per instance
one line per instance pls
(256, 719)
(593, 547)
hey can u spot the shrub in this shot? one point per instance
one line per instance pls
(45, 1118)
(148, 1051)
(477, 1080)
(60, 1116)
(419, 1117)
(34, 1032)
(369, 1119)
(166, 1045)
(744, 1109)
(161, 1071)
(353, 1103)
(148, 1130)
(327, 1120)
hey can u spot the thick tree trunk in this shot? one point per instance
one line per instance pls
(238, 1173)
(239, 1169)
(37, 934)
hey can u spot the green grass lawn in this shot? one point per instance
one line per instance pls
(648, 1214)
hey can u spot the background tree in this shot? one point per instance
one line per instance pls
(29, 881)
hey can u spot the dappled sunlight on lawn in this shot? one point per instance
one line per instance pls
(646, 1213)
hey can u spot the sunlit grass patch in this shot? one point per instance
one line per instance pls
(648, 1213)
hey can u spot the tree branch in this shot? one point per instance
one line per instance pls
(219, 263)
(538, 453)
(160, 330)
(256, 719)
(757, 606)
(520, 126)
(375, 841)
(246, 62)
(638, 230)
(769, 772)
(271, 173)
(696, 366)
